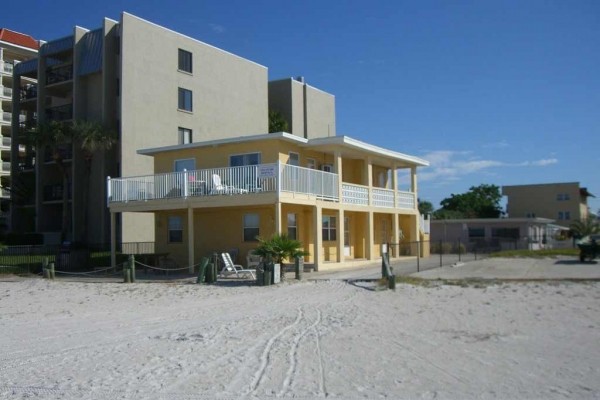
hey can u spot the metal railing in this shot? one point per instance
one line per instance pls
(60, 113)
(6, 141)
(252, 179)
(6, 166)
(7, 67)
(29, 92)
(6, 91)
(60, 74)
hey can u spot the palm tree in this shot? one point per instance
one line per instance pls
(56, 137)
(584, 227)
(93, 137)
(279, 248)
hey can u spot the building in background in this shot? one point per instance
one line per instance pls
(15, 47)
(563, 202)
(154, 86)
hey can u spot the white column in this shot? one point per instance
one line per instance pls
(337, 161)
(190, 229)
(395, 236)
(395, 185)
(370, 179)
(370, 235)
(278, 218)
(413, 184)
(317, 235)
(340, 236)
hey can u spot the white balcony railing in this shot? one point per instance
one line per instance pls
(5, 166)
(7, 67)
(6, 92)
(355, 194)
(253, 179)
(6, 141)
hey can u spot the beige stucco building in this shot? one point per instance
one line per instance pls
(154, 86)
(339, 196)
(563, 202)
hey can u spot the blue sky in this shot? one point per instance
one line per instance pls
(497, 92)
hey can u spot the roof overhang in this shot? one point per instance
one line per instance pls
(347, 147)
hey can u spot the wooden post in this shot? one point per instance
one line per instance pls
(52, 272)
(126, 274)
(132, 268)
(45, 273)
(299, 265)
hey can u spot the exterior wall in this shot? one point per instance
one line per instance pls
(229, 98)
(541, 200)
(310, 112)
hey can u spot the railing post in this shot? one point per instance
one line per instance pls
(126, 196)
(108, 191)
(185, 183)
(279, 173)
(132, 268)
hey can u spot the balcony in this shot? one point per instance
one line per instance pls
(6, 141)
(54, 193)
(60, 113)
(7, 67)
(59, 74)
(7, 117)
(6, 167)
(29, 92)
(6, 92)
(255, 179)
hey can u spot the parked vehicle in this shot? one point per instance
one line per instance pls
(589, 248)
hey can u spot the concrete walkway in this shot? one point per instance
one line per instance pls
(491, 268)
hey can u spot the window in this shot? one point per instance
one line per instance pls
(506, 233)
(567, 215)
(185, 135)
(476, 232)
(175, 225)
(187, 164)
(530, 215)
(185, 61)
(294, 159)
(327, 167)
(239, 160)
(292, 227)
(563, 196)
(561, 215)
(251, 227)
(185, 100)
(311, 163)
(329, 228)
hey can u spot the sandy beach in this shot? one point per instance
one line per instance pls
(72, 340)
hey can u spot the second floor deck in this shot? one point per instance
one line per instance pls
(254, 180)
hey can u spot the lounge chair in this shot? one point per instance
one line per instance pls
(229, 268)
(219, 188)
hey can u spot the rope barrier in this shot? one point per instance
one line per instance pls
(91, 273)
(161, 269)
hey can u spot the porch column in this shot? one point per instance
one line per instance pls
(190, 223)
(113, 240)
(317, 235)
(395, 185)
(340, 236)
(337, 163)
(395, 236)
(278, 218)
(370, 235)
(369, 173)
(413, 184)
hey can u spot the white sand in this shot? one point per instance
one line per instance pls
(69, 340)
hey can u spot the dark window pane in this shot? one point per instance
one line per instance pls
(185, 61)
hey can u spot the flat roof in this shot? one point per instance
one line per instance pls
(329, 142)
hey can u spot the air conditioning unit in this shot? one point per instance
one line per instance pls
(327, 168)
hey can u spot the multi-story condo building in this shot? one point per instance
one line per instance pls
(14, 48)
(154, 86)
(563, 202)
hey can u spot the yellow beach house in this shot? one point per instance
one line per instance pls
(339, 196)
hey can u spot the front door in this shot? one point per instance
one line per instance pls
(346, 236)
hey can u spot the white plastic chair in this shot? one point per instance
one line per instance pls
(229, 268)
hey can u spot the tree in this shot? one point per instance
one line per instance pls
(481, 201)
(425, 207)
(56, 137)
(277, 122)
(279, 248)
(584, 227)
(93, 137)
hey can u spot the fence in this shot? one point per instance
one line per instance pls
(29, 259)
(409, 257)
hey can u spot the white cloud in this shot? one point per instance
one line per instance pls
(217, 28)
(447, 166)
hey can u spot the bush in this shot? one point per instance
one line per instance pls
(23, 239)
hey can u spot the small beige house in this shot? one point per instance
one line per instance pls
(339, 196)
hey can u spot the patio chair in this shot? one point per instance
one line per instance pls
(229, 268)
(219, 188)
